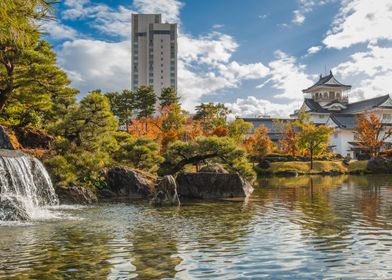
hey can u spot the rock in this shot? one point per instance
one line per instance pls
(265, 164)
(166, 192)
(33, 138)
(346, 161)
(106, 193)
(130, 182)
(11, 209)
(5, 141)
(76, 195)
(287, 173)
(216, 168)
(212, 185)
(379, 164)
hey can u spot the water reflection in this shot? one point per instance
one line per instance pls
(305, 227)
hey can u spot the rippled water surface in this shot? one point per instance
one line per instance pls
(297, 228)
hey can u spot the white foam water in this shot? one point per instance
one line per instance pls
(26, 191)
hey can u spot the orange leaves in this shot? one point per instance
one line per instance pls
(289, 141)
(368, 131)
(220, 131)
(259, 144)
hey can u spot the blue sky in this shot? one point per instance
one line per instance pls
(253, 55)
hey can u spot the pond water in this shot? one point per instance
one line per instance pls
(297, 228)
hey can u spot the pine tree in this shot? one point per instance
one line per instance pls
(19, 35)
(168, 97)
(144, 104)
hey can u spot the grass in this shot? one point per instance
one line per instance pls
(318, 167)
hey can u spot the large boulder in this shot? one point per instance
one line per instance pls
(212, 185)
(379, 164)
(76, 195)
(130, 182)
(166, 192)
(33, 138)
(5, 141)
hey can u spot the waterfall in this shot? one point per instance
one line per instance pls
(26, 190)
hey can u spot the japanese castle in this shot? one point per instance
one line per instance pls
(327, 102)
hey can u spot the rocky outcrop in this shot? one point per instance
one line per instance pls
(166, 192)
(33, 138)
(11, 209)
(379, 164)
(5, 141)
(130, 182)
(212, 185)
(76, 195)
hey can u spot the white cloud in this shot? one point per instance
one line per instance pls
(57, 30)
(263, 16)
(93, 64)
(170, 9)
(314, 49)
(212, 48)
(113, 22)
(299, 17)
(305, 7)
(371, 69)
(360, 21)
(254, 107)
(205, 67)
(218, 26)
(287, 76)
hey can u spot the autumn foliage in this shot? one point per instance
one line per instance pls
(370, 133)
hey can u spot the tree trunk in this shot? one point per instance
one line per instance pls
(5, 93)
(311, 159)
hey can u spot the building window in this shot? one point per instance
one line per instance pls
(386, 117)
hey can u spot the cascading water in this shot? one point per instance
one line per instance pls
(26, 190)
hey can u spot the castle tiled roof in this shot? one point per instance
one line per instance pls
(365, 105)
(274, 131)
(344, 120)
(327, 81)
(351, 108)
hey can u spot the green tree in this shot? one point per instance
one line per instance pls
(122, 105)
(19, 33)
(238, 128)
(41, 94)
(145, 103)
(311, 138)
(211, 115)
(221, 150)
(91, 125)
(141, 153)
(168, 97)
(86, 140)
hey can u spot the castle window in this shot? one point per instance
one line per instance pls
(387, 117)
(331, 95)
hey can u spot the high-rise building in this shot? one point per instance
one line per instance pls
(154, 52)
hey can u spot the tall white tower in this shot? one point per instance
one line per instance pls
(154, 52)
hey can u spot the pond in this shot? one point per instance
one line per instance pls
(297, 228)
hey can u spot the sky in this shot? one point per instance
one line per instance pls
(255, 56)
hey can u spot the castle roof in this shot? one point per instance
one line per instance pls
(351, 108)
(344, 120)
(327, 81)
